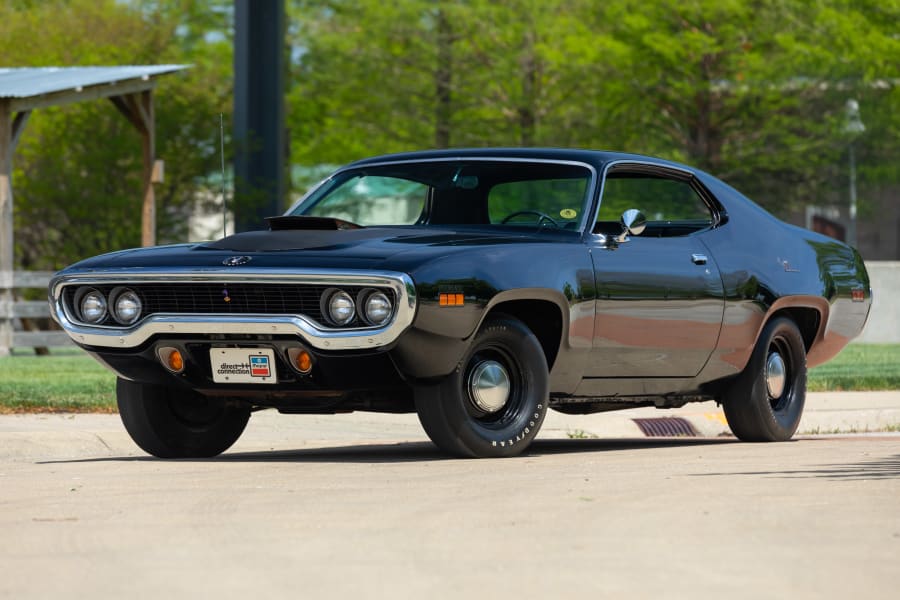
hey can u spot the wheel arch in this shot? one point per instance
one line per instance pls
(806, 318)
(540, 310)
(810, 315)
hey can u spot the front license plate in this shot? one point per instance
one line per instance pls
(242, 365)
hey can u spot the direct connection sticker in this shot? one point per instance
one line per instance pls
(259, 366)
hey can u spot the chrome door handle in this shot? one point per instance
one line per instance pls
(698, 259)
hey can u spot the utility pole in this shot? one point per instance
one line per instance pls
(259, 133)
(854, 128)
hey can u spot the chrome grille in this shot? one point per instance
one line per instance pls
(226, 298)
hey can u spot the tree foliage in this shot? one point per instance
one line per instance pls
(751, 90)
(77, 168)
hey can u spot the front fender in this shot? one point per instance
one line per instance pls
(558, 274)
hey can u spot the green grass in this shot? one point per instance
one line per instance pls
(70, 381)
(579, 434)
(66, 381)
(890, 428)
(859, 367)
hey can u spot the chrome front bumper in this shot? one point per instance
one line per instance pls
(312, 332)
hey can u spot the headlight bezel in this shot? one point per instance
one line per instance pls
(116, 296)
(364, 303)
(328, 311)
(78, 304)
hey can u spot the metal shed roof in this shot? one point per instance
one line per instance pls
(36, 81)
(22, 90)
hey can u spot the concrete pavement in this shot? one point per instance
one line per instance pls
(361, 505)
(387, 518)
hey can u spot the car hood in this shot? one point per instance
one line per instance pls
(364, 248)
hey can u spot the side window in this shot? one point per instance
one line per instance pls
(524, 202)
(671, 206)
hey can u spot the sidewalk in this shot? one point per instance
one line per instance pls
(28, 437)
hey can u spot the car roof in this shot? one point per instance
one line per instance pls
(596, 158)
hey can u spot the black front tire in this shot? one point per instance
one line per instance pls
(450, 412)
(755, 412)
(172, 422)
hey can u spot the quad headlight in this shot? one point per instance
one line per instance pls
(340, 307)
(91, 305)
(370, 307)
(377, 308)
(126, 306)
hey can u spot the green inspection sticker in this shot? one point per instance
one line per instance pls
(568, 213)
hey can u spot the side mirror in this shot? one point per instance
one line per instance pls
(633, 222)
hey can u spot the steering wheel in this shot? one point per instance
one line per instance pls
(541, 217)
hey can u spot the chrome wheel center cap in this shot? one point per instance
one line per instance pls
(489, 386)
(775, 372)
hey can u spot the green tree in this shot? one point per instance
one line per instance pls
(753, 91)
(376, 77)
(77, 168)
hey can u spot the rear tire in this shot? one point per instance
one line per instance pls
(765, 403)
(495, 402)
(172, 422)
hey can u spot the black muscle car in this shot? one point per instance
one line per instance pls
(477, 288)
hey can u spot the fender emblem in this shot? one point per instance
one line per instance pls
(234, 261)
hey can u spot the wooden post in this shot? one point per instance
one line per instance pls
(6, 225)
(148, 145)
(138, 109)
(10, 130)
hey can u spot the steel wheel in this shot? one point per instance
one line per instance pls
(777, 374)
(495, 402)
(765, 403)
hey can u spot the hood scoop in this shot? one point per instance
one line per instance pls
(305, 223)
(303, 233)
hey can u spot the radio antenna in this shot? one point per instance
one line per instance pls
(222, 156)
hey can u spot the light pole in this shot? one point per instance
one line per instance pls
(853, 127)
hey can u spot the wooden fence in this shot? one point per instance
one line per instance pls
(13, 313)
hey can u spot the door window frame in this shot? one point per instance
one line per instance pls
(717, 212)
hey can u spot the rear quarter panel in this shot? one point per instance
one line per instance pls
(768, 266)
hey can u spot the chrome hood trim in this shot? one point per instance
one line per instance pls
(313, 333)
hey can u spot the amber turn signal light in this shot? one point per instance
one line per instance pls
(171, 359)
(304, 362)
(451, 300)
(301, 360)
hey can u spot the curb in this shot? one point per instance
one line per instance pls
(72, 436)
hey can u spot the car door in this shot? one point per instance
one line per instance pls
(659, 293)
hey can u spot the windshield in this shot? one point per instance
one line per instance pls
(508, 194)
